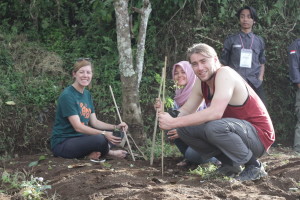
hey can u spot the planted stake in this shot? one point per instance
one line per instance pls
(112, 94)
(163, 110)
(156, 119)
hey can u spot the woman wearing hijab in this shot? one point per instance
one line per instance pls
(184, 79)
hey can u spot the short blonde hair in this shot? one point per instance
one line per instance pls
(201, 48)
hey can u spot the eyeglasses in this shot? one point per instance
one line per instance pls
(81, 59)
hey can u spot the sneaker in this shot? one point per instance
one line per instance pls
(214, 161)
(251, 173)
(229, 170)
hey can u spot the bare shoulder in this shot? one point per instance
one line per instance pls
(230, 82)
(228, 78)
(226, 71)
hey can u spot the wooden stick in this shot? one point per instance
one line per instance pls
(145, 157)
(156, 119)
(163, 110)
(112, 94)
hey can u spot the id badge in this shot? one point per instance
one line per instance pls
(246, 58)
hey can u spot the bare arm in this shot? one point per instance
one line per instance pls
(99, 124)
(194, 100)
(81, 128)
(225, 84)
(94, 130)
(102, 125)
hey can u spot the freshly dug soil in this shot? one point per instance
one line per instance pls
(127, 179)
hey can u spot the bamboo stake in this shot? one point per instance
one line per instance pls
(163, 110)
(156, 119)
(143, 155)
(112, 94)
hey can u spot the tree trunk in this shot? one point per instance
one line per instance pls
(130, 75)
(198, 9)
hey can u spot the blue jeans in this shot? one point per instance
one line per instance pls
(79, 147)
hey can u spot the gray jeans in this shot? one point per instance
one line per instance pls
(235, 138)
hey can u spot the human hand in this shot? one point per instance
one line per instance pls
(172, 134)
(158, 104)
(113, 139)
(165, 121)
(122, 126)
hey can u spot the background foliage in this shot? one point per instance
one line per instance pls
(41, 39)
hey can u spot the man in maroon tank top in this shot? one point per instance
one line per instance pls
(236, 127)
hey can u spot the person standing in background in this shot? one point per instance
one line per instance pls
(294, 69)
(244, 51)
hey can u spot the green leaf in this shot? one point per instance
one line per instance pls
(34, 163)
(45, 187)
(107, 165)
(42, 157)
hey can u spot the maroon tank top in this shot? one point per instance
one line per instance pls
(253, 110)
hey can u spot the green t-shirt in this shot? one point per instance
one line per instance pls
(71, 102)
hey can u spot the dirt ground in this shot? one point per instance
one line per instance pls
(128, 179)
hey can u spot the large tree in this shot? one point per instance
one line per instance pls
(131, 66)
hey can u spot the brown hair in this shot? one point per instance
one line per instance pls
(81, 63)
(201, 48)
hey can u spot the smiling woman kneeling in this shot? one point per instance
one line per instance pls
(77, 132)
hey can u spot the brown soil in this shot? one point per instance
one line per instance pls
(127, 179)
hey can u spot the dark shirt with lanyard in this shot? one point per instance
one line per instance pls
(294, 61)
(244, 53)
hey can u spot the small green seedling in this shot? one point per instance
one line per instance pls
(35, 163)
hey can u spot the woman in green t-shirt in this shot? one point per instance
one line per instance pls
(77, 132)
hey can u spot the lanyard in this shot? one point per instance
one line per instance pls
(243, 43)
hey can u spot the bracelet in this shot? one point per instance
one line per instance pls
(103, 132)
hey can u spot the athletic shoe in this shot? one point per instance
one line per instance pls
(252, 172)
(214, 161)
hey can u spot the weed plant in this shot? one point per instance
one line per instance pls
(17, 184)
(170, 150)
(206, 171)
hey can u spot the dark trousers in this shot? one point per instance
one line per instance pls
(79, 147)
(190, 154)
(235, 138)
